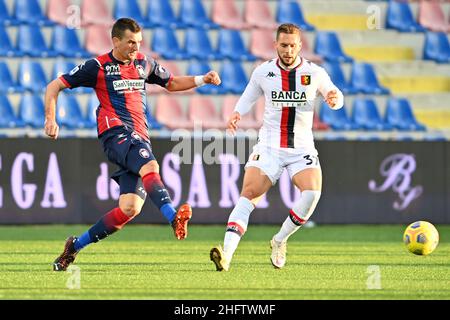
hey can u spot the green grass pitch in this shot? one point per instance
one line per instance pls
(147, 262)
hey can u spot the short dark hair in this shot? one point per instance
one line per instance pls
(123, 24)
(288, 28)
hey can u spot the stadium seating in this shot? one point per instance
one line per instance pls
(98, 40)
(165, 43)
(153, 124)
(247, 121)
(318, 124)
(261, 44)
(198, 45)
(95, 12)
(232, 46)
(7, 83)
(399, 114)
(290, 11)
(59, 12)
(6, 48)
(8, 118)
(160, 14)
(65, 43)
(432, 17)
(328, 46)
(130, 9)
(68, 112)
(336, 119)
(336, 74)
(436, 47)
(31, 76)
(197, 67)
(307, 52)
(226, 14)
(29, 12)
(234, 79)
(170, 113)
(31, 110)
(91, 115)
(193, 14)
(364, 79)
(61, 67)
(202, 111)
(400, 17)
(257, 14)
(365, 114)
(31, 42)
(5, 18)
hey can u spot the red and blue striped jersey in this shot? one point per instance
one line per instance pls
(120, 88)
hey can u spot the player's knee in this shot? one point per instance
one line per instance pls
(251, 193)
(151, 166)
(130, 209)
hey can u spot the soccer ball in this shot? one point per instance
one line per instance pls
(421, 238)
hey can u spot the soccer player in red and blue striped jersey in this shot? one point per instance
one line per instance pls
(119, 78)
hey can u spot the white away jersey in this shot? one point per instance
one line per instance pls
(289, 102)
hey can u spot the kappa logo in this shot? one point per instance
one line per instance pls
(255, 157)
(271, 75)
(144, 153)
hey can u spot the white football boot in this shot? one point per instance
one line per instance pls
(278, 256)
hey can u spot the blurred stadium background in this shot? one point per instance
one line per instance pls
(384, 155)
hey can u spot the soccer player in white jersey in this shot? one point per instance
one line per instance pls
(290, 85)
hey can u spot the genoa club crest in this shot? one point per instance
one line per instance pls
(305, 79)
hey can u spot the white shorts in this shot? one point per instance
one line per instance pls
(272, 161)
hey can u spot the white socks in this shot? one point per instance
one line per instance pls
(299, 215)
(237, 225)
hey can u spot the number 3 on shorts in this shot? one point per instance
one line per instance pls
(310, 161)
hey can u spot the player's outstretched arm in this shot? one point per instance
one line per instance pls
(335, 99)
(181, 83)
(51, 128)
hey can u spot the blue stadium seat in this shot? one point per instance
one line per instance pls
(364, 79)
(32, 111)
(7, 84)
(365, 114)
(91, 116)
(31, 42)
(31, 76)
(197, 45)
(160, 14)
(29, 12)
(234, 79)
(153, 124)
(197, 67)
(290, 11)
(130, 9)
(400, 18)
(65, 43)
(328, 46)
(193, 14)
(68, 112)
(165, 43)
(232, 46)
(399, 114)
(6, 48)
(8, 118)
(61, 67)
(336, 119)
(336, 74)
(436, 47)
(5, 18)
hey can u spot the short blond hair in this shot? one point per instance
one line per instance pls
(288, 28)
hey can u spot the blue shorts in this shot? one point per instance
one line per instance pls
(130, 152)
